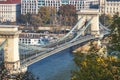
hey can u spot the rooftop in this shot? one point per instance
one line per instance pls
(10, 1)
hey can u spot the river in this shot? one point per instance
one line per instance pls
(55, 67)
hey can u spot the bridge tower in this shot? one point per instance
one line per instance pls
(87, 15)
(10, 33)
(94, 24)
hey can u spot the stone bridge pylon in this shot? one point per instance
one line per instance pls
(94, 27)
(90, 14)
(10, 34)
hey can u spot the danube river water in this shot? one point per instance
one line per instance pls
(55, 67)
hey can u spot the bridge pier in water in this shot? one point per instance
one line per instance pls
(10, 34)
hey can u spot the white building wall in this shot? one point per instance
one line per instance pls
(53, 3)
(29, 6)
(109, 7)
(29, 41)
(8, 12)
(79, 4)
(112, 7)
(34, 41)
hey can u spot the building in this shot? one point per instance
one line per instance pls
(41, 3)
(102, 6)
(53, 3)
(9, 10)
(34, 38)
(84, 4)
(79, 4)
(29, 6)
(109, 7)
(32, 6)
(112, 6)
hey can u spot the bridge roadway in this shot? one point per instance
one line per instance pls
(40, 56)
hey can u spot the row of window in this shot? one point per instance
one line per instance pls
(29, 4)
(3, 15)
(29, 7)
(4, 20)
(6, 8)
(113, 4)
(28, 10)
(112, 10)
(24, 39)
(25, 12)
(28, 41)
(3, 6)
(52, 4)
(29, 1)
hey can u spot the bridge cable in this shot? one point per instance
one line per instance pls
(103, 27)
(83, 29)
(71, 29)
(3, 44)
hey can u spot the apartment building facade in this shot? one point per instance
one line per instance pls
(112, 7)
(109, 7)
(32, 6)
(9, 10)
(79, 4)
(29, 6)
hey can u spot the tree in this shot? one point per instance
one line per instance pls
(68, 13)
(3, 72)
(36, 21)
(46, 13)
(106, 19)
(94, 67)
(115, 34)
(4, 75)
(22, 19)
(26, 76)
(25, 19)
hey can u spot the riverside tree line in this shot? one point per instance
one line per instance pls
(49, 16)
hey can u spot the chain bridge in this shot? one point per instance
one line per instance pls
(17, 57)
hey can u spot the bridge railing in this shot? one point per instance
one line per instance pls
(47, 53)
(67, 41)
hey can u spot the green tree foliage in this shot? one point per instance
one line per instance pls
(94, 67)
(106, 19)
(3, 72)
(22, 19)
(67, 15)
(4, 75)
(30, 19)
(115, 34)
(46, 13)
(36, 21)
(26, 76)
(25, 19)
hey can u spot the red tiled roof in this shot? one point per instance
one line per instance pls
(10, 1)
